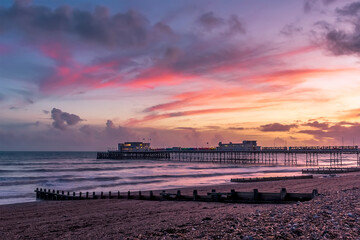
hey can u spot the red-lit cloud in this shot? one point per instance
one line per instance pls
(153, 117)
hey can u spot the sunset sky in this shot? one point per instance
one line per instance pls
(85, 75)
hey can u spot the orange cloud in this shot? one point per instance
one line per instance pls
(295, 76)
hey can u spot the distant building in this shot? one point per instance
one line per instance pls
(133, 147)
(244, 146)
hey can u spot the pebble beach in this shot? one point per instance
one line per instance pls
(334, 214)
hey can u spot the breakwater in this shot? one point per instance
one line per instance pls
(233, 196)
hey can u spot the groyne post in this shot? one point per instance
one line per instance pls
(283, 194)
(233, 194)
(255, 194)
(195, 195)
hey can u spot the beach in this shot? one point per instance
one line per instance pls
(334, 214)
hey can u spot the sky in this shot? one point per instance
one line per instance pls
(86, 75)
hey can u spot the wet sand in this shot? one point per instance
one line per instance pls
(334, 214)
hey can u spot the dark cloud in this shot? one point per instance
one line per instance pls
(236, 128)
(29, 101)
(351, 9)
(341, 43)
(291, 29)
(277, 127)
(63, 119)
(344, 41)
(236, 25)
(309, 5)
(335, 133)
(110, 124)
(185, 128)
(121, 29)
(328, 2)
(317, 124)
(209, 22)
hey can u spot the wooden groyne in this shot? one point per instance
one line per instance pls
(329, 170)
(265, 179)
(232, 197)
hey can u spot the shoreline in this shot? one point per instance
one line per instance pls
(335, 213)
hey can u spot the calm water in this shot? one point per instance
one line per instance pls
(22, 172)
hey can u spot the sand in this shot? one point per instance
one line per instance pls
(334, 214)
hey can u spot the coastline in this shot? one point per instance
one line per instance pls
(335, 213)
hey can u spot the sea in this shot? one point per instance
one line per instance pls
(22, 172)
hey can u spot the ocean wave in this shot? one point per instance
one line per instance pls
(122, 184)
(44, 170)
(84, 179)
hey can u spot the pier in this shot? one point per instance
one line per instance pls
(287, 156)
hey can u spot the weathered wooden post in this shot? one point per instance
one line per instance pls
(314, 193)
(80, 195)
(213, 195)
(68, 196)
(233, 194)
(62, 195)
(151, 195)
(37, 192)
(94, 196)
(178, 194)
(195, 195)
(140, 195)
(255, 194)
(283, 194)
(118, 194)
(74, 196)
(128, 195)
(101, 195)
(57, 196)
(87, 195)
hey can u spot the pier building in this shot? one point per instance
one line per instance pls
(244, 146)
(133, 147)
